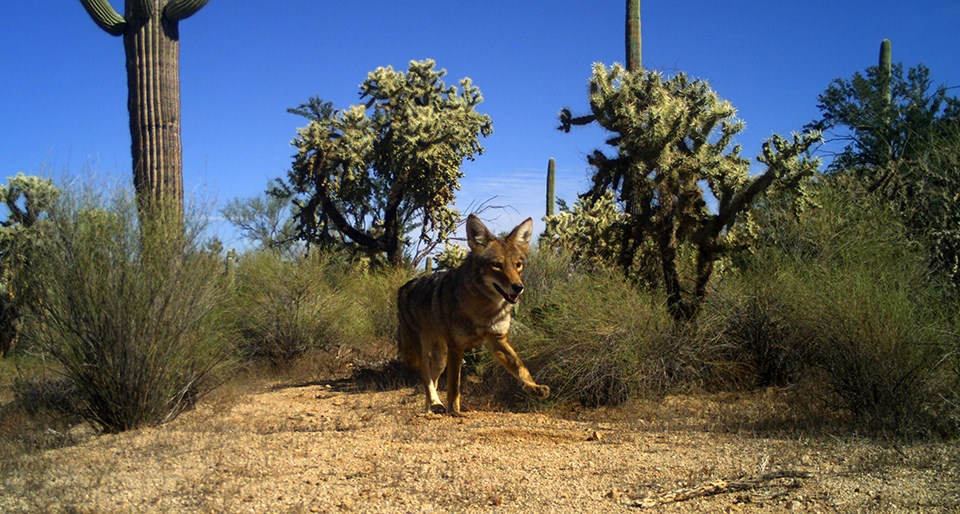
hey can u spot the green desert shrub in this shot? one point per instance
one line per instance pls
(845, 292)
(26, 200)
(752, 340)
(592, 337)
(287, 307)
(129, 311)
(280, 304)
(375, 293)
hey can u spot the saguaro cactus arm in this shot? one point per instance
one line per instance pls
(105, 16)
(178, 10)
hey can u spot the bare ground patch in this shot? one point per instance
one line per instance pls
(338, 446)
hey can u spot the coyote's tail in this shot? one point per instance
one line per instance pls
(408, 347)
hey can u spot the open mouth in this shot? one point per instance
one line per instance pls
(511, 298)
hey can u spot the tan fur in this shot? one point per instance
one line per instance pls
(445, 314)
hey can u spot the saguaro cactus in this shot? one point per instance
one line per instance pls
(152, 45)
(886, 79)
(633, 43)
(886, 67)
(551, 179)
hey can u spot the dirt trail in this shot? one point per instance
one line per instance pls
(324, 447)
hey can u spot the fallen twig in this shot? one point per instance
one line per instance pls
(716, 487)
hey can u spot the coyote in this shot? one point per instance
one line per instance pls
(447, 313)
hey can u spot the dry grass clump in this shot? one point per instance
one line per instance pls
(286, 308)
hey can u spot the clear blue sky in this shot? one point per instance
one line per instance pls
(243, 63)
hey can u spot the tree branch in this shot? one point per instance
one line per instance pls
(333, 214)
(717, 487)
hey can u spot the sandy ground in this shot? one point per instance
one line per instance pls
(332, 447)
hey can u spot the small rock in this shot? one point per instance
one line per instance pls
(614, 494)
(794, 505)
(595, 436)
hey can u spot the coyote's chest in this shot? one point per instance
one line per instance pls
(499, 324)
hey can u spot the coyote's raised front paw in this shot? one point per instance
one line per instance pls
(539, 392)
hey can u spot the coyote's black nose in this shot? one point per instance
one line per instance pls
(517, 288)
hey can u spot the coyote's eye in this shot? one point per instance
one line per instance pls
(497, 266)
(519, 265)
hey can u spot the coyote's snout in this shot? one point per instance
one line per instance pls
(445, 314)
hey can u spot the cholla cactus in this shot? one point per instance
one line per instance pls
(367, 175)
(27, 198)
(672, 137)
(588, 232)
(451, 256)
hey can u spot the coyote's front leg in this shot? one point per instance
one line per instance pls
(507, 357)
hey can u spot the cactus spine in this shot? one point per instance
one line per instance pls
(634, 54)
(551, 178)
(152, 47)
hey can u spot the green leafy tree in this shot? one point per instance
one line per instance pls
(901, 137)
(367, 176)
(671, 138)
(27, 200)
(882, 117)
(151, 41)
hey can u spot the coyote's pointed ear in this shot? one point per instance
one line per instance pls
(522, 234)
(477, 234)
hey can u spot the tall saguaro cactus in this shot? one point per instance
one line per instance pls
(886, 79)
(551, 180)
(633, 43)
(886, 66)
(152, 45)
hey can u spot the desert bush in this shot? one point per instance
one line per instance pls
(375, 293)
(593, 337)
(129, 311)
(845, 291)
(751, 337)
(287, 307)
(277, 305)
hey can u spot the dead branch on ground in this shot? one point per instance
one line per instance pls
(718, 487)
